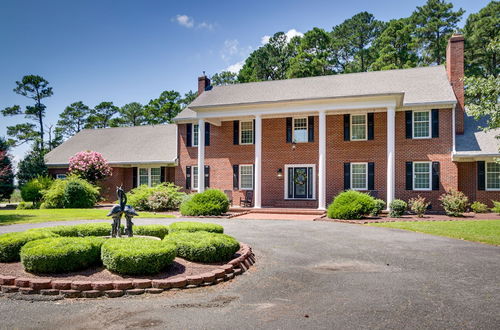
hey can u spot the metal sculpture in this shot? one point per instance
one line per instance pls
(116, 213)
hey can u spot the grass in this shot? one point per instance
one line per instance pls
(485, 231)
(10, 217)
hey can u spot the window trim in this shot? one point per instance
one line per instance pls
(239, 177)
(285, 191)
(148, 168)
(366, 126)
(486, 178)
(241, 132)
(413, 125)
(293, 129)
(365, 188)
(414, 176)
(194, 141)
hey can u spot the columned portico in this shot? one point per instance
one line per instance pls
(201, 155)
(322, 161)
(391, 147)
(258, 163)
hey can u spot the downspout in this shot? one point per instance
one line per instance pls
(453, 123)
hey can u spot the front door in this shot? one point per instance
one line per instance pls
(300, 182)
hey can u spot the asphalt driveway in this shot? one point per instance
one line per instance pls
(308, 275)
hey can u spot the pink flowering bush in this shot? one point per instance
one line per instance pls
(89, 165)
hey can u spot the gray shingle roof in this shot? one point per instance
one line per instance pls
(419, 85)
(475, 141)
(121, 145)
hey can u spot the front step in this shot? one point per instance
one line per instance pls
(272, 210)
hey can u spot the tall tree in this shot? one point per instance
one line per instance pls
(163, 109)
(435, 22)
(131, 114)
(6, 172)
(224, 78)
(31, 166)
(73, 119)
(314, 55)
(188, 98)
(35, 88)
(395, 48)
(100, 116)
(480, 31)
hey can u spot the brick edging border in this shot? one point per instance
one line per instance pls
(113, 289)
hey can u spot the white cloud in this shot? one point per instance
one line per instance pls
(232, 50)
(236, 67)
(205, 25)
(289, 35)
(185, 20)
(265, 39)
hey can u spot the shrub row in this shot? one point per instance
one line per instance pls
(195, 226)
(11, 243)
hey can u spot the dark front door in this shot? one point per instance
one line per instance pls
(300, 182)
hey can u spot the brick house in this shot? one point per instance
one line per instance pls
(299, 142)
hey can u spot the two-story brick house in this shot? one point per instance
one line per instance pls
(299, 142)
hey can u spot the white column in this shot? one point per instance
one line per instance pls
(322, 162)
(201, 155)
(391, 148)
(258, 163)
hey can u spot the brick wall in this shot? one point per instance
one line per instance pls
(467, 173)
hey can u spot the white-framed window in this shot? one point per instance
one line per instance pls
(422, 124)
(194, 177)
(300, 133)
(492, 176)
(358, 127)
(359, 176)
(61, 176)
(195, 134)
(422, 176)
(149, 176)
(246, 177)
(246, 132)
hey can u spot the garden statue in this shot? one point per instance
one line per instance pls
(116, 213)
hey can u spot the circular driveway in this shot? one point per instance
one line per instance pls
(316, 275)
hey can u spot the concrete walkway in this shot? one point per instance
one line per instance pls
(308, 275)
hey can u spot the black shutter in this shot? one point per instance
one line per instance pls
(188, 177)
(236, 132)
(409, 124)
(310, 130)
(371, 176)
(207, 176)
(236, 184)
(290, 182)
(310, 179)
(435, 175)
(347, 131)
(409, 176)
(481, 175)
(162, 173)
(435, 123)
(253, 126)
(207, 134)
(289, 129)
(134, 177)
(371, 120)
(347, 176)
(189, 133)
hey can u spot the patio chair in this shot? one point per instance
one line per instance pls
(248, 200)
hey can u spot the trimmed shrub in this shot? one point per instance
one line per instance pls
(478, 207)
(83, 230)
(397, 208)
(454, 203)
(71, 192)
(496, 207)
(203, 246)
(137, 256)
(61, 254)
(159, 231)
(11, 243)
(195, 226)
(210, 202)
(25, 206)
(379, 205)
(162, 197)
(418, 205)
(32, 190)
(351, 204)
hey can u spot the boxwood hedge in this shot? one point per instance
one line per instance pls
(11, 243)
(203, 246)
(196, 226)
(82, 230)
(61, 254)
(137, 256)
(159, 231)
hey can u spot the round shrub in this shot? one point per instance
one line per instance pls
(196, 226)
(351, 204)
(203, 246)
(397, 208)
(137, 256)
(32, 190)
(71, 192)
(11, 243)
(209, 202)
(159, 231)
(478, 207)
(61, 254)
(454, 203)
(418, 205)
(162, 197)
(379, 205)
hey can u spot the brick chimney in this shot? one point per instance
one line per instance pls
(203, 84)
(455, 70)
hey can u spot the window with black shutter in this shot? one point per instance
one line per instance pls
(207, 176)
(188, 177)
(289, 127)
(347, 124)
(435, 175)
(371, 176)
(371, 125)
(207, 134)
(481, 175)
(236, 132)
(310, 131)
(347, 176)
(409, 124)
(435, 123)
(189, 135)
(409, 175)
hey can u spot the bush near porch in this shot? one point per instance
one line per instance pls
(211, 202)
(162, 197)
(350, 205)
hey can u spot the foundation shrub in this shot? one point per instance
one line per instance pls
(211, 202)
(379, 205)
(418, 205)
(454, 203)
(351, 204)
(397, 208)
(496, 207)
(11, 243)
(162, 197)
(188, 226)
(72, 192)
(478, 207)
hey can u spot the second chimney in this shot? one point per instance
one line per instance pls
(203, 84)
(455, 70)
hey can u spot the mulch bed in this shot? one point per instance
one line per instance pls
(428, 217)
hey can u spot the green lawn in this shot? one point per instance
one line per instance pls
(485, 231)
(9, 217)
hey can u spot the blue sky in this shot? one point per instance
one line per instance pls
(124, 51)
